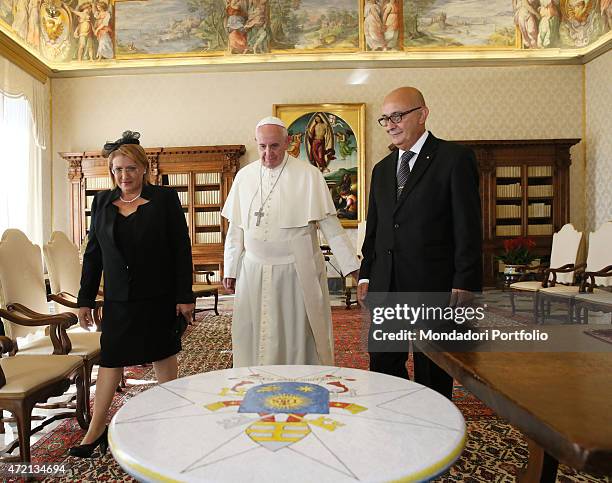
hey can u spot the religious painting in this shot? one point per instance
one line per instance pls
(382, 23)
(331, 138)
(459, 23)
(304, 25)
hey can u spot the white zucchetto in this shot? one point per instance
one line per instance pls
(270, 120)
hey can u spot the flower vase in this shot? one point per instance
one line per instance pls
(513, 269)
(513, 273)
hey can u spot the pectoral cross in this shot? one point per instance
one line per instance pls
(259, 214)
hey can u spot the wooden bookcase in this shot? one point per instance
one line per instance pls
(202, 176)
(524, 189)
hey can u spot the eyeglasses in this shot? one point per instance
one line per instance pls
(396, 117)
(129, 170)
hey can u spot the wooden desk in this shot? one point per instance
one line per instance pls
(287, 423)
(561, 401)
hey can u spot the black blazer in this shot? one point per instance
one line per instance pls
(164, 266)
(430, 240)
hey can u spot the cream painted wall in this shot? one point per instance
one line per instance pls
(223, 108)
(599, 141)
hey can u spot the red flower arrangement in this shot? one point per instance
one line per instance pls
(517, 251)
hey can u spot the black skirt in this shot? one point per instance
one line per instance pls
(138, 332)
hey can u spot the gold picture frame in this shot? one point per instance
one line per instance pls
(332, 138)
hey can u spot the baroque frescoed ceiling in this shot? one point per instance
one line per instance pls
(77, 35)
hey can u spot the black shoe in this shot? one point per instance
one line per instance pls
(86, 450)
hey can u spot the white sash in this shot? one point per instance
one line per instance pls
(300, 251)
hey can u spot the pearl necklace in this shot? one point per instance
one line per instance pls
(130, 201)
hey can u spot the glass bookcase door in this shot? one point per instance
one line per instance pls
(180, 182)
(508, 201)
(93, 185)
(540, 195)
(207, 208)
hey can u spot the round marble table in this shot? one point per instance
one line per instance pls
(287, 423)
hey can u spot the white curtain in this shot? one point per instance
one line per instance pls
(20, 169)
(15, 82)
(24, 111)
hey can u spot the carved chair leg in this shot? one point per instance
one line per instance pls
(1, 421)
(535, 306)
(512, 302)
(347, 298)
(87, 393)
(216, 294)
(578, 314)
(82, 403)
(23, 415)
(122, 383)
(540, 310)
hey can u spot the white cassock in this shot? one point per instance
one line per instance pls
(281, 310)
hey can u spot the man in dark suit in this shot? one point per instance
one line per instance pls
(423, 230)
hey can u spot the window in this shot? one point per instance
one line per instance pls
(20, 190)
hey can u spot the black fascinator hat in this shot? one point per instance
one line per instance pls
(128, 137)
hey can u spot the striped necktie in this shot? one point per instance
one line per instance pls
(403, 172)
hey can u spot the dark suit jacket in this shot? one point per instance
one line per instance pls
(164, 266)
(430, 240)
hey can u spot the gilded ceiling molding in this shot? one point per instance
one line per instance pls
(460, 57)
(18, 55)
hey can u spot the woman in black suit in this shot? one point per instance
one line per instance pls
(139, 238)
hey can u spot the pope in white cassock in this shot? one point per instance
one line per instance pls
(273, 260)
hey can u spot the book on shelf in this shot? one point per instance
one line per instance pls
(508, 211)
(184, 197)
(208, 237)
(207, 197)
(207, 218)
(539, 230)
(508, 230)
(541, 210)
(509, 190)
(201, 277)
(539, 171)
(508, 171)
(98, 183)
(541, 190)
(208, 178)
(178, 179)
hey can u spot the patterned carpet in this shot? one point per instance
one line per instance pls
(495, 451)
